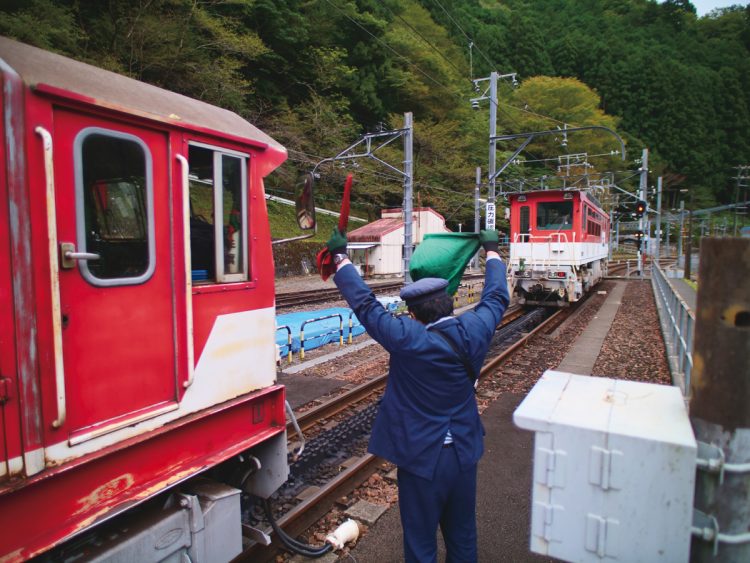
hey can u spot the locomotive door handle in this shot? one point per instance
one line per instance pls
(69, 255)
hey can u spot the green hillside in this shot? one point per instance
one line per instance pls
(316, 74)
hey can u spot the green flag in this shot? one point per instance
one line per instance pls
(444, 255)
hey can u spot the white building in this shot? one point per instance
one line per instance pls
(377, 249)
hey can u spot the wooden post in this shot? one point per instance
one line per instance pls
(720, 403)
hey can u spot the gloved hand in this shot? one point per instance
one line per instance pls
(337, 243)
(489, 240)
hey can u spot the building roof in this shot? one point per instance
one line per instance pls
(41, 70)
(375, 231)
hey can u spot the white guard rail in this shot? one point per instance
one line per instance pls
(677, 326)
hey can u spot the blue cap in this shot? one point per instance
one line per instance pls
(423, 290)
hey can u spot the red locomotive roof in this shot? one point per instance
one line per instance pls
(41, 69)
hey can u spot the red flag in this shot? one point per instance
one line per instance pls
(326, 267)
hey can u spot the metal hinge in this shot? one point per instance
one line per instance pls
(602, 535)
(544, 519)
(549, 467)
(4, 390)
(605, 468)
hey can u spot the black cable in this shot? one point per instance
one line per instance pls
(291, 543)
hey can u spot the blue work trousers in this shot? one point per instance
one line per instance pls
(449, 500)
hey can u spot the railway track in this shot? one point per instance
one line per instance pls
(299, 298)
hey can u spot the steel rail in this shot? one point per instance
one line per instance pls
(334, 406)
(498, 360)
(309, 511)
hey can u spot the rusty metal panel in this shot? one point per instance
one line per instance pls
(721, 351)
(28, 398)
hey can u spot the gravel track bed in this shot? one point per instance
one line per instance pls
(634, 348)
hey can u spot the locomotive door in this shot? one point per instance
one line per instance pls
(117, 309)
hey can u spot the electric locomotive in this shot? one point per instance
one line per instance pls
(559, 243)
(137, 314)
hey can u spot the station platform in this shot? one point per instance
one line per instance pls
(503, 498)
(585, 350)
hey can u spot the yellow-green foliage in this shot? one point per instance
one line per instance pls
(284, 223)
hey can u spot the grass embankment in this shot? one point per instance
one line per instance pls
(283, 220)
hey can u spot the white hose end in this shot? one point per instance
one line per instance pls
(346, 532)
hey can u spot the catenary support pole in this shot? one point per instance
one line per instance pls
(720, 387)
(408, 193)
(642, 196)
(657, 250)
(680, 235)
(490, 216)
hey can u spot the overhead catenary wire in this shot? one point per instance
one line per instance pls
(395, 179)
(384, 44)
(492, 65)
(432, 45)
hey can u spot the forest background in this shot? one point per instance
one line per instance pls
(317, 74)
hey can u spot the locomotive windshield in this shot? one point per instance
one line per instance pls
(554, 216)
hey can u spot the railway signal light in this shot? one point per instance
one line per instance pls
(640, 208)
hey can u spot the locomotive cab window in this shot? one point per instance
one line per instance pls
(114, 200)
(218, 208)
(554, 216)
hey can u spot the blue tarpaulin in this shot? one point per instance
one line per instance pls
(318, 332)
(321, 326)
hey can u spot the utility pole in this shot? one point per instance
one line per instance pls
(642, 197)
(658, 220)
(408, 192)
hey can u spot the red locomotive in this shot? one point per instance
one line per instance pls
(559, 243)
(137, 310)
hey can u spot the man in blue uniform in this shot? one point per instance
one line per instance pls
(428, 423)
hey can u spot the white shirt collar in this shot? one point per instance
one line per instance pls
(438, 321)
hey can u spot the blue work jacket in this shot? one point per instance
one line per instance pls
(428, 390)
